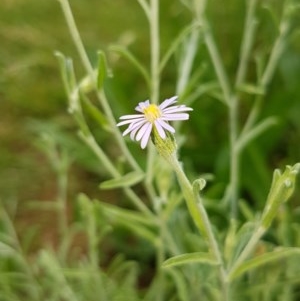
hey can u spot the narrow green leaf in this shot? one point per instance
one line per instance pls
(102, 69)
(258, 261)
(94, 112)
(125, 214)
(136, 222)
(127, 180)
(251, 89)
(67, 72)
(255, 132)
(197, 92)
(197, 257)
(69, 80)
(282, 187)
(129, 56)
(176, 42)
(181, 284)
(241, 239)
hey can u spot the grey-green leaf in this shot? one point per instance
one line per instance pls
(67, 72)
(196, 257)
(102, 69)
(258, 261)
(132, 59)
(127, 180)
(251, 89)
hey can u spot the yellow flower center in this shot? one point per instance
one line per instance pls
(152, 112)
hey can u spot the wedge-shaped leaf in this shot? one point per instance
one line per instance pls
(258, 261)
(127, 180)
(197, 257)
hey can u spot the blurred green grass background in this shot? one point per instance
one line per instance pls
(32, 98)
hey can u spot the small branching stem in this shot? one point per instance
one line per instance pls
(200, 217)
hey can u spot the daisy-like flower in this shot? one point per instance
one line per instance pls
(153, 117)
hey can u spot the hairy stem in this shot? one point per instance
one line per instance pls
(155, 79)
(200, 217)
(89, 69)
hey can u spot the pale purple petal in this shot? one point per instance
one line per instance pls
(137, 123)
(177, 109)
(140, 128)
(143, 130)
(179, 116)
(146, 136)
(127, 131)
(168, 102)
(142, 106)
(134, 131)
(166, 126)
(160, 129)
(131, 116)
(130, 121)
(133, 126)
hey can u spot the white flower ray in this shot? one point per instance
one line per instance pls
(160, 129)
(168, 102)
(166, 126)
(141, 125)
(143, 130)
(169, 117)
(146, 136)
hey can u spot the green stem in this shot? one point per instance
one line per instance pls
(234, 156)
(62, 202)
(155, 81)
(76, 36)
(200, 217)
(276, 53)
(155, 50)
(254, 113)
(90, 141)
(269, 71)
(89, 69)
(232, 102)
(187, 61)
(217, 62)
(115, 130)
(246, 251)
(145, 7)
(247, 42)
